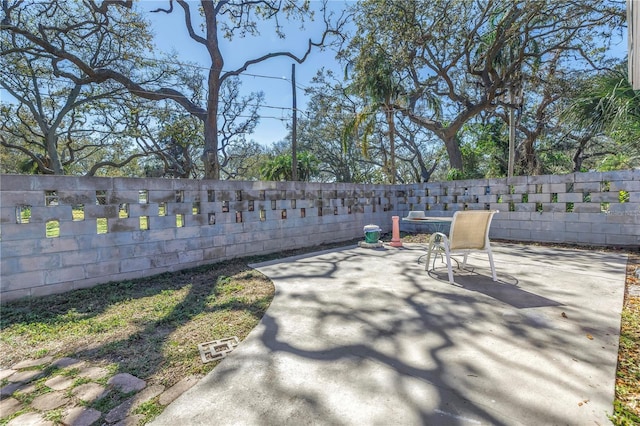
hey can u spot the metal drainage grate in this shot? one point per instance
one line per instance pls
(217, 349)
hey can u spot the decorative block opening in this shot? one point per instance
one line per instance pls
(342, 202)
(144, 223)
(512, 189)
(262, 194)
(623, 196)
(349, 211)
(179, 221)
(586, 197)
(512, 206)
(283, 214)
(53, 228)
(195, 207)
(263, 215)
(538, 188)
(23, 213)
(525, 198)
(225, 207)
(102, 225)
(251, 207)
(211, 196)
(319, 211)
(487, 190)
(273, 204)
(179, 196)
(101, 197)
(77, 212)
(143, 196)
(605, 186)
(238, 217)
(335, 211)
(303, 212)
(554, 197)
(604, 207)
(212, 218)
(293, 204)
(51, 198)
(487, 206)
(569, 207)
(539, 208)
(123, 211)
(162, 209)
(569, 187)
(238, 195)
(283, 194)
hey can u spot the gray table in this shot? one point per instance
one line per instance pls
(432, 224)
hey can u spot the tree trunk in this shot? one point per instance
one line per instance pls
(52, 153)
(453, 150)
(392, 144)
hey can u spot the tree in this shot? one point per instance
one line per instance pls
(220, 19)
(605, 107)
(374, 82)
(280, 167)
(59, 121)
(465, 53)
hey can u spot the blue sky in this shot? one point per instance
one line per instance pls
(170, 33)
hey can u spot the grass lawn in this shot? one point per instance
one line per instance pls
(150, 327)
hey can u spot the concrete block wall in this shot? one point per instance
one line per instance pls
(111, 229)
(117, 229)
(600, 209)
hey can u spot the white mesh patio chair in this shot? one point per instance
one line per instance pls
(469, 232)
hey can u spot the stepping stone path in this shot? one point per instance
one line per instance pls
(56, 398)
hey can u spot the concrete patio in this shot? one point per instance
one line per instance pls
(360, 336)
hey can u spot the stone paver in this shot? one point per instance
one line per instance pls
(30, 419)
(49, 401)
(93, 373)
(89, 392)
(178, 389)
(8, 389)
(59, 382)
(9, 406)
(6, 372)
(24, 376)
(79, 416)
(32, 363)
(125, 382)
(26, 388)
(67, 362)
(121, 411)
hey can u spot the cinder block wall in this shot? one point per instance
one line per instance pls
(117, 229)
(60, 232)
(601, 209)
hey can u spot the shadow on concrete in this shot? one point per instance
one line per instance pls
(359, 336)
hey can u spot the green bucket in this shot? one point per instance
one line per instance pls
(371, 234)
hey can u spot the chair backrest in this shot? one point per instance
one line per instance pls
(470, 229)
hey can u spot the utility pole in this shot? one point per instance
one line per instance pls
(512, 135)
(294, 129)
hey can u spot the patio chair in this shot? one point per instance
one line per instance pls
(469, 232)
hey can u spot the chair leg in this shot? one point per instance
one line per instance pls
(449, 268)
(493, 268)
(426, 265)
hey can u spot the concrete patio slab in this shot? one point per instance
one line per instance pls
(357, 336)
